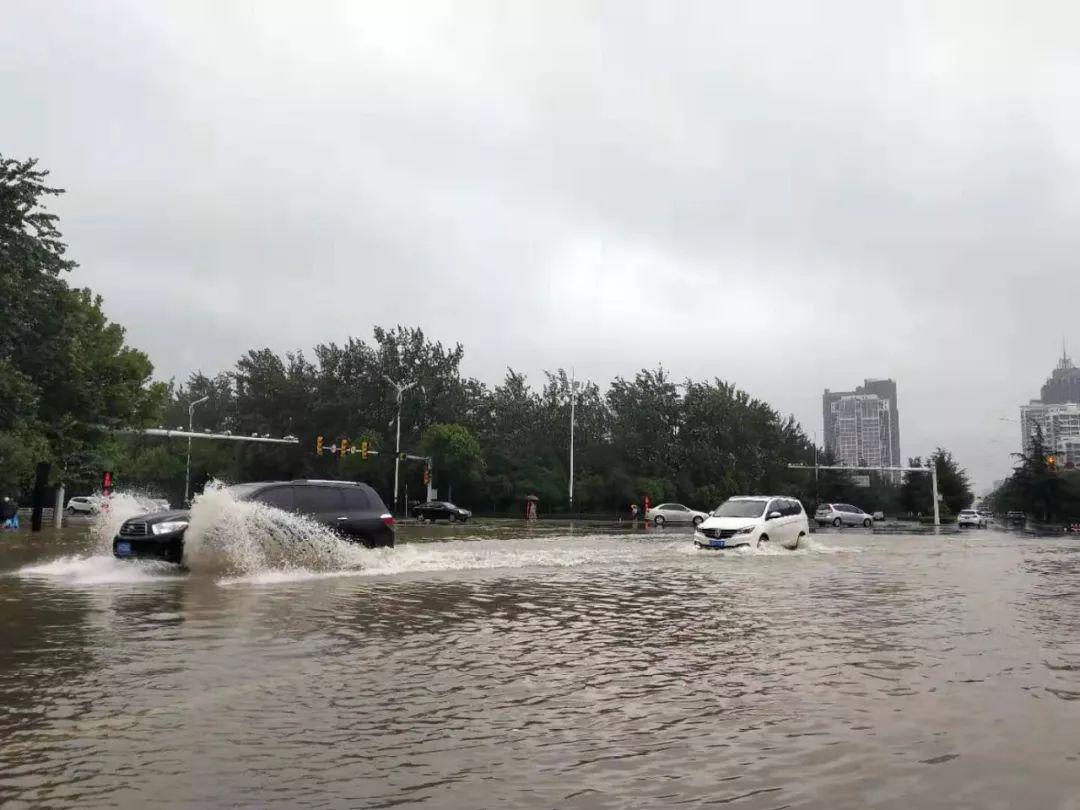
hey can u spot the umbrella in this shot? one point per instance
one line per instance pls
(531, 498)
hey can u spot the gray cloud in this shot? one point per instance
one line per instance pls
(790, 195)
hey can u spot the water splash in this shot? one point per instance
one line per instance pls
(235, 538)
(120, 506)
(78, 570)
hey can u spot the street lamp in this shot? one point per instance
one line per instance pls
(401, 388)
(191, 426)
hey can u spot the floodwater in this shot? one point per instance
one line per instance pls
(506, 667)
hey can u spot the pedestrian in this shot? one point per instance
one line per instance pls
(9, 514)
(633, 512)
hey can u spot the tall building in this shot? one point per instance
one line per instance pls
(862, 427)
(1057, 413)
(1060, 424)
(1063, 385)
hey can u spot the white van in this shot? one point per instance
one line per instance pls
(750, 520)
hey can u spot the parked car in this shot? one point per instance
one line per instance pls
(879, 515)
(1016, 517)
(664, 513)
(83, 505)
(970, 517)
(753, 520)
(440, 510)
(842, 514)
(354, 511)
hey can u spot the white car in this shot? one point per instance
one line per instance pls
(754, 520)
(969, 517)
(83, 505)
(842, 514)
(664, 513)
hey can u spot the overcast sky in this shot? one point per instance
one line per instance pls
(787, 195)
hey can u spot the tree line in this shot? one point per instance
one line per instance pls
(68, 379)
(1040, 486)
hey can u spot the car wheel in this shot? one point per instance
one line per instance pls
(463, 518)
(867, 523)
(699, 520)
(798, 540)
(70, 511)
(838, 523)
(658, 520)
(763, 539)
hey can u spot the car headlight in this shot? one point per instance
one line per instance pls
(169, 526)
(747, 530)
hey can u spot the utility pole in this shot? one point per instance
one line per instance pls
(401, 388)
(191, 427)
(573, 399)
(933, 485)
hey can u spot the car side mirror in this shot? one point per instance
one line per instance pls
(774, 515)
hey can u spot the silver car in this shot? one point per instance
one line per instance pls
(842, 514)
(664, 513)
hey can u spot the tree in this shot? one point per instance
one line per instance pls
(1036, 486)
(65, 370)
(953, 486)
(457, 460)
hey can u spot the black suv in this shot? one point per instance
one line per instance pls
(440, 510)
(353, 510)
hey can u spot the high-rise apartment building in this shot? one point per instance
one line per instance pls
(1060, 425)
(1057, 414)
(862, 427)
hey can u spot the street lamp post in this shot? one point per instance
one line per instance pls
(400, 388)
(191, 425)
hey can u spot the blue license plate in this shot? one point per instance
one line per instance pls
(123, 549)
(717, 543)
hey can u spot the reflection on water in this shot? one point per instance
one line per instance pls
(547, 669)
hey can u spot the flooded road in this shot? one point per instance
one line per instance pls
(549, 668)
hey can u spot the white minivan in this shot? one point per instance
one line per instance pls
(753, 520)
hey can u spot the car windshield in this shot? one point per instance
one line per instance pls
(741, 509)
(449, 505)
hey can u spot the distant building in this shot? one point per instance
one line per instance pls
(1057, 413)
(1060, 423)
(862, 427)
(1063, 385)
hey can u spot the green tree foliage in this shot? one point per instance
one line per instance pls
(644, 436)
(457, 459)
(64, 368)
(1039, 486)
(953, 486)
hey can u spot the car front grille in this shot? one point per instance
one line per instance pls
(719, 534)
(134, 529)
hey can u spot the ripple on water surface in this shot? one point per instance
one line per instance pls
(594, 670)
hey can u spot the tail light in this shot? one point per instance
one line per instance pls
(388, 519)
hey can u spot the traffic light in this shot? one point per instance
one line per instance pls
(363, 450)
(344, 446)
(318, 445)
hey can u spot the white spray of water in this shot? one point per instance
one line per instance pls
(236, 538)
(120, 506)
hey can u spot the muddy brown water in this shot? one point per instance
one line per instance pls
(509, 667)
